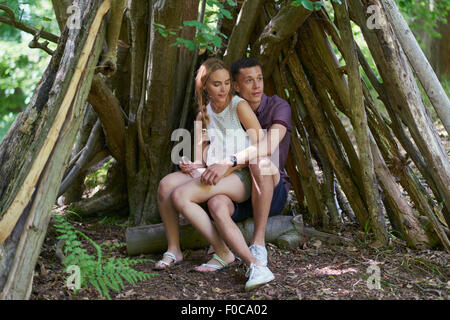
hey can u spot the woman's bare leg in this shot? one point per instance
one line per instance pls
(187, 197)
(222, 208)
(168, 213)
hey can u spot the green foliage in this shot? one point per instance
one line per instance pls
(207, 36)
(31, 12)
(163, 31)
(310, 5)
(98, 177)
(21, 67)
(103, 273)
(5, 123)
(422, 15)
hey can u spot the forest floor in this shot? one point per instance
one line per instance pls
(316, 271)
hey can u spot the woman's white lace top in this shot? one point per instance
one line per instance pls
(225, 132)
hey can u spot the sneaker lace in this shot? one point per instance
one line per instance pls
(250, 272)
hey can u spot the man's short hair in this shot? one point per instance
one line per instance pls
(243, 64)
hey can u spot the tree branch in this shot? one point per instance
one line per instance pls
(23, 27)
(40, 45)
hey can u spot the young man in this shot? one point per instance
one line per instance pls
(270, 187)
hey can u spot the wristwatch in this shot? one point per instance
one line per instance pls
(234, 160)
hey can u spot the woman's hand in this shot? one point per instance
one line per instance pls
(191, 168)
(214, 173)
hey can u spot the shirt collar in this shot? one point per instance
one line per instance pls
(262, 105)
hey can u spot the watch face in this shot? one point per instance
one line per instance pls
(234, 160)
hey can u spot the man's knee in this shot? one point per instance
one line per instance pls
(263, 170)
(220, 207)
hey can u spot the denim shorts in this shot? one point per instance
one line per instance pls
(244, 210)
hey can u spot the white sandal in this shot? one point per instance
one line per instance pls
(171, 256)
(220, 267)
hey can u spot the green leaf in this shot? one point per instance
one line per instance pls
(227, 14)
(194, 23)
(308, 5)
(318, 5)
(159, 25)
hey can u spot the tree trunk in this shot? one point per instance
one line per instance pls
(440, 50)
(61, 7)
(46, 132)
(154, 105)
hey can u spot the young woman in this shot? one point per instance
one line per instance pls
(182, 192)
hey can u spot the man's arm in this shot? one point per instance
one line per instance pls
(266, 146)
(281, 123)
(262, 149)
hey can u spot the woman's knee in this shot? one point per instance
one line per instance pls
(264, 170)
(220, 207)
(179, 198)
(167, 185)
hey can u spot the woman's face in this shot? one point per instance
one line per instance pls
(218, 86)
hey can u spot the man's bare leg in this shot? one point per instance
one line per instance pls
(222, 209)
(263, 187)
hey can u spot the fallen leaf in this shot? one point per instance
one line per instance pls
(217, 290)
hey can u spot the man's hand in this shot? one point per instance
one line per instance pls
(214, 173)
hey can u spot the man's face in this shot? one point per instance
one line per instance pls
(250, 85)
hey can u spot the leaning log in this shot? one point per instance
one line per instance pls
(34, 153)
(359, 122)
(275, 35)
(419, 62)
(242, 31)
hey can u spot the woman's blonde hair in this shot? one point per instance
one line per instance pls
(204, 72)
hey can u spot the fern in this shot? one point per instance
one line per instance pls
(103, 273)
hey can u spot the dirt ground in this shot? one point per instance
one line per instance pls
(316, 271)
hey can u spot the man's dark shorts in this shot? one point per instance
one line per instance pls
(244, 210)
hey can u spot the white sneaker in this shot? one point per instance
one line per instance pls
(258, 276)
(260, 253)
